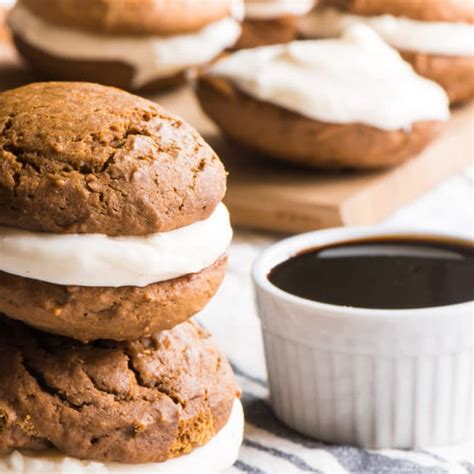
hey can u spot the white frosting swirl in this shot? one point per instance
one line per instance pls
(152, 57)
(357, 78)
(100, 260)
(270, 9)
(216, 456)
(443, 38)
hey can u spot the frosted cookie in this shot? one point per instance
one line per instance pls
(271, 21)
(435, 36)
(111, 222)
(157, 404)
(142, 45)
(348, 102)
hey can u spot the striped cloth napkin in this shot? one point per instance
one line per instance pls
(270, 447)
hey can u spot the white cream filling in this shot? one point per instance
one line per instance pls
(271, 9)
(443, 38)
(100, 260)
(216, 456)
(152, 57)
(357, 78)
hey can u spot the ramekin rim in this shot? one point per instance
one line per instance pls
(284, 249)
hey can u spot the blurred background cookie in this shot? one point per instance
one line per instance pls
(137, 44)
(271, 21)
(142, 401)
(111, 223)
(435, 36)
(4, 35)
(348, 102)
(3, 31)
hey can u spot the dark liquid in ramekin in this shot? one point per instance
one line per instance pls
(382, 273)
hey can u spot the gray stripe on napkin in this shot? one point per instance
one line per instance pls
(244, 467)
(360, 460)
(295, 460)
(259, 413)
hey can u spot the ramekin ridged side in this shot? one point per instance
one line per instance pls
(372, 378)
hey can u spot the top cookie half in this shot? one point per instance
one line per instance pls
(423, 10)
(84, 158)
(132, 17)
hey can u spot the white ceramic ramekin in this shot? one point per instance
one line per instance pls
(373, 378)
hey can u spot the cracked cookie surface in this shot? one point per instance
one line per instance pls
(85, 158)
(148, 400)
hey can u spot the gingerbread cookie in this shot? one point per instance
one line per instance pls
(110, 218)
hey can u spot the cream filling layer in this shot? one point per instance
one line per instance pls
(216, 456)
(442, 38)
(271, 9)
(152, 57)
(357, 78)
(100, 260)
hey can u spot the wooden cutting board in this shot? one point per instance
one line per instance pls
(271, 196)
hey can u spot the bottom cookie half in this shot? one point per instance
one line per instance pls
(123, 313)
(288, 136)
(110, 73)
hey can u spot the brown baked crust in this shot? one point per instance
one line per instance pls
(142, 401)
(424, 10)
(124, 313)
(291, 137)
(131, 17)
(84, 158)
(454, 73)
(109, 73)
(266, 32)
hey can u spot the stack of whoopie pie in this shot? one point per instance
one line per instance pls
(112, 236)
(140, 45)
